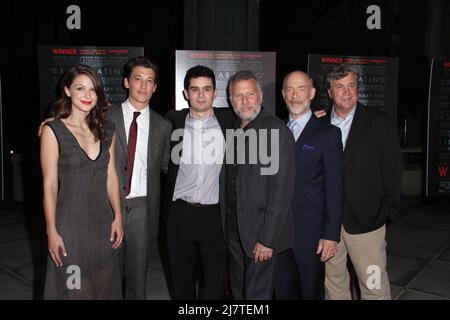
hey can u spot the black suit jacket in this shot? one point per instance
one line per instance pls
(226, 119)
(263, 202)
(372, 160)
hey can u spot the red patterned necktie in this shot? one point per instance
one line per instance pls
(132, 138)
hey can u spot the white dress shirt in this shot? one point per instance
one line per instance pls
(343, 124)
(198, 175)
(139, 177)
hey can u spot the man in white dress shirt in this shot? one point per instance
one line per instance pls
(142, 152)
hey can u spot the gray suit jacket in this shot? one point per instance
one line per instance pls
(263, 202)
(157, 160)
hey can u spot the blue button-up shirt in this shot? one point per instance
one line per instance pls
(299, 125)
(343, 124)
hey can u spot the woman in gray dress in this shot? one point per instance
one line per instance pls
(81, 193)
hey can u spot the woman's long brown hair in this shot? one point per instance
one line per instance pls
(62, 107)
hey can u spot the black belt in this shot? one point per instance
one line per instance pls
(199, 205)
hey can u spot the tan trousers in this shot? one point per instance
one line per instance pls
(367, 252)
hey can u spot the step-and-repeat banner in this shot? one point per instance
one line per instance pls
(2, 190)
(107, 61)
(225, 64)
(438, 146)
(378, 78)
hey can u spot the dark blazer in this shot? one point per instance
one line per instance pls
(319, 184)
(157, 160)
(373, 164)
(226, 119)
(263, 202)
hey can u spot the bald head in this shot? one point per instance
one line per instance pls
(298, 91)
(297, 74)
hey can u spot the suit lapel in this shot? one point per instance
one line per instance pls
(153, 128)
(180, 119)
(120, 127)
(221, 120)
(178, 122)
(308, 131)
(356, 131)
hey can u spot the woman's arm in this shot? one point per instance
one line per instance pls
(114, 197)
(49, 165)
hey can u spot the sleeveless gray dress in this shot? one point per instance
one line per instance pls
(83, 219)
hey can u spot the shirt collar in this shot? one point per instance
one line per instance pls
(192, 118)
(303, 120)
(129, 109)
(349, 115)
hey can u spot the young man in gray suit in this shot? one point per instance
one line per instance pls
(142, 152)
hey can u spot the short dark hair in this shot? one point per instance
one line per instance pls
(338, 72)
(199, 71)
(243, 75)
(140, 62)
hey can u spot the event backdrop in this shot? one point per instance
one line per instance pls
(378, 78)
(2, 181)
(107, 61)
(225, 64)
(438, 148)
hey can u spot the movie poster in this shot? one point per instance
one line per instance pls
(2, 181)
(377, 80)
(107, 61)
(438, 146)
(225, 64)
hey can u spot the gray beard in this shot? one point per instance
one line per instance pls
(258, 110)
(303, 111)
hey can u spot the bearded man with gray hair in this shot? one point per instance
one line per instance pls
(258, 220)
